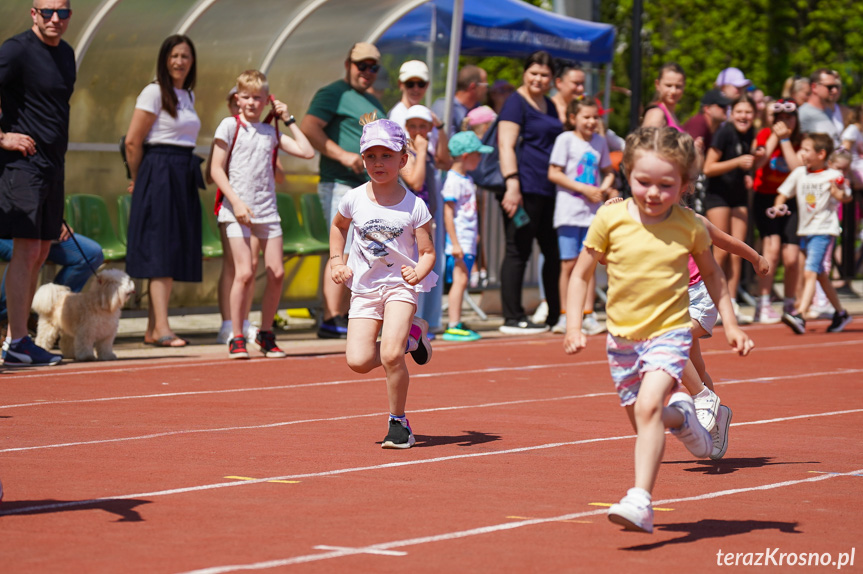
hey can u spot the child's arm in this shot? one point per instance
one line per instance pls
(338, 239)
(449, 224)
(313, 128)
(714, 168)
(839, 194)
(607, 182)
(298, 146)
(717, 287)
(559, 178)
(576, 294)
(733, 245)
(442, 158)
(414, 171)
(425, 246)
(218, 171)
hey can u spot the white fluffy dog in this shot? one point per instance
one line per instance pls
(83, 320)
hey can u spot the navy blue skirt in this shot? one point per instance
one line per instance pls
(165, 218)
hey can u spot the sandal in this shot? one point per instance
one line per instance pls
(168, 341)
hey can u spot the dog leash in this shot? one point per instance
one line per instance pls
(84, 255)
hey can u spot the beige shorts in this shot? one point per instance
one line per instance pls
(259, 230)
(371, 305)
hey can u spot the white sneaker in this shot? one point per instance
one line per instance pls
(720, 433)
(633, 512)
(767, 315)
(590, 326)
(250, 331)
(693, 436)
(541, 314)
(226, 332)
(706, 408)
(560, 327)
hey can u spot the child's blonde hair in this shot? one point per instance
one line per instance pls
(840, 154)
(669, 144)
(252, 81)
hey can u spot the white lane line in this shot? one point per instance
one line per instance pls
(341, 471)
(289, 423)
(359, 416)
(386, 546)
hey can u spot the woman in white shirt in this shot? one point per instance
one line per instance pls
(164, 240)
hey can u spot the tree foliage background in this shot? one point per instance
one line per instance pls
(769, 40)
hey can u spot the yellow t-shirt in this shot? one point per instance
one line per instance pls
(648, 275)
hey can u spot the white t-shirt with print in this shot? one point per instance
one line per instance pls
(384, 240)
(852, 133)
(582, 162)
(461, 190)
(180, 131)
(250, 170)
(816, 208)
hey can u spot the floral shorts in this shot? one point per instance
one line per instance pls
(629, 360)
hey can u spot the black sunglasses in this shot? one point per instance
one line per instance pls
(48, 13)
(411, 84)
(831, 87)
(363, 66)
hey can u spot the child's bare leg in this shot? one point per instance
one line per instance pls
(241, 251)
(362, 350)
(456, 291)
(394, 336)
(226, 276)
(695, 376)
(651, 419)
(830, 291)
(791, 260)
(805, 299)
(272, 248)
(256, 249)
(770, 250)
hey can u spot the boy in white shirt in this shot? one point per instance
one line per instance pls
(249, 206)
(462, 226)
(819, 191)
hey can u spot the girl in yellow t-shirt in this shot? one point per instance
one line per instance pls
(646, 242)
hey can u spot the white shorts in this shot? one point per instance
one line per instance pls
(259, 230)
(702, 309)
(371, 305)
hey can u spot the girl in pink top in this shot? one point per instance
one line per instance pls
(669, 89)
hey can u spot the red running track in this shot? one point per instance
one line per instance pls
(209, 465)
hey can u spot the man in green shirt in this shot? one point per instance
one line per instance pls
(332, 125)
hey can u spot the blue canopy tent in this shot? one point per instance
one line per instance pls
(510, 28)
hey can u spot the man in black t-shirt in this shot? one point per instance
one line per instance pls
(37, 76)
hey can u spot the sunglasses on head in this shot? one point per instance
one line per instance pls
(48, 13)
(783, 107)
(363, 66)
(410, 84)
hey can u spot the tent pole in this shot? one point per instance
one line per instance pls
(606, 97)
(454, 53)
(635, 66)
(430, 55)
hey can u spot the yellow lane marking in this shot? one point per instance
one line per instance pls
(249, 478)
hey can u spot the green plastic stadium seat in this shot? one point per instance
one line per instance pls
(313, 217)
(297, 240)
(88, 215)
(211, 243)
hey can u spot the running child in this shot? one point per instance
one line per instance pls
(819, 191)
(462, 227)
(646, 242)
(249, 206)
(391, 259)
(580, 168)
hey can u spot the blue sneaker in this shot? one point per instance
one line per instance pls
(460, 333)
(26, 353)
(334, 328)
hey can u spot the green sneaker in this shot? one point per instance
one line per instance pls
(460, 333)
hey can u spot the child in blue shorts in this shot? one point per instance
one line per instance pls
(462, 227)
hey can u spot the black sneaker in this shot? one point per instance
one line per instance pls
(839, 322)
(522, 327)
(266, 342)
(334, 328)
(237, 348)
(796, 322)
(399, 436)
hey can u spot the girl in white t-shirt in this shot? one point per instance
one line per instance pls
(392, 257)
(852, 140)
(249, 205)
(580, 167)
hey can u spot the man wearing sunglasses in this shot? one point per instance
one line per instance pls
(37, 76)
(821, 113)
(332, 125)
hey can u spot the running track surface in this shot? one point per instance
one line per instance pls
(209, 465)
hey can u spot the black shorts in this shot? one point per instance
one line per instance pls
(727, 198)
(31, 205)
(785, 226)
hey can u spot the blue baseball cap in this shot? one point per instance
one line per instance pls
(467, 142)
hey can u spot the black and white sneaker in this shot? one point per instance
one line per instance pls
(419, 332)
(399, 435)
(522, 327)
(796, 322)
(839, 322)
